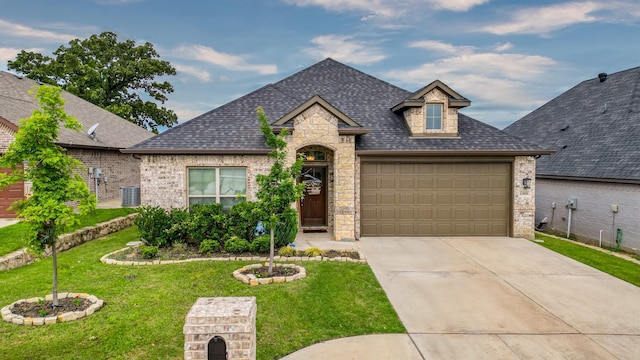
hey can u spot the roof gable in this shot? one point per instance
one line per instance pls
(594, 126)
(317, 99)
(417, 98)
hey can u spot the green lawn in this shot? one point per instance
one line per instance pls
(11, 236)
(146, 305)
(610, 264)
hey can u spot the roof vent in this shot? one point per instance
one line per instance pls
(602, 77)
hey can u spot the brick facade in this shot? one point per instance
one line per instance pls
(164, 177)
(120, 170)
(594, 211)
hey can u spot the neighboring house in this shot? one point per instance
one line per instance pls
(99, 150)
(379, 160)
(595, 128)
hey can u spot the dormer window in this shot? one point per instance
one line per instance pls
(434, 117)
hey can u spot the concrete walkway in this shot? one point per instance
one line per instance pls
(492, 298)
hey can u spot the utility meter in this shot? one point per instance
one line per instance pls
(572, 203)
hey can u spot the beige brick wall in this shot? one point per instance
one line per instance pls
(164, 177)
(120, 170)
(6, 137)
(524, 206)
(416, 118)
(317, 127)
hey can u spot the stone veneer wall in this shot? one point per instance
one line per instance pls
(524, 205)
(21, 257)
(164, 177)
(316, 126)
(231, 318)
(416, 118)
(120, 169)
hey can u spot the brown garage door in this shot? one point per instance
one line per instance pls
(8, 195)
(441, 199)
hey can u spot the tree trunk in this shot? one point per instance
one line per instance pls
(271, 246)
(54, 256)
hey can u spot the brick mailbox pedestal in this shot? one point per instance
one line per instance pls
(214, 326)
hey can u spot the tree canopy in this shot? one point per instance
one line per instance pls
(117, 76)
(34, 156)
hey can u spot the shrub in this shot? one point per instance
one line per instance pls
(153, 224)
(179, 230)
(209, 246)
(208, 221)
(261, 244)
(287, 251)
(148, 252)
(236, 245)
(313, 251)
(287, 228)
(243, 219)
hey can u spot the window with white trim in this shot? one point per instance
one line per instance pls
(434, 116)
(224, 185)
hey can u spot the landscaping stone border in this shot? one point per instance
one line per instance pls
(106, 260)
(252, 280)
(9, 316)
(22, 257)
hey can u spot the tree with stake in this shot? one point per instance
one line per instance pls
(278, 190)
(118, 76)
(34, 156)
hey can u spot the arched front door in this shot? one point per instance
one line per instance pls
(313, 205)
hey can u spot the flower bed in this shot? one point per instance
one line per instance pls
(76, 305)
(250, 274)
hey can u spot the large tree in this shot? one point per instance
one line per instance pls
(117, 76)
(34, 156)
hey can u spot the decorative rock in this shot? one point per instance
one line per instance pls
(38, 321)
(50, 320)
(68, 316)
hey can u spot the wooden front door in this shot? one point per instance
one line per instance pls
(313, 205)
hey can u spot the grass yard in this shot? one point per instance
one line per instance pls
(11, 236)
(610, 264)
(146, 305)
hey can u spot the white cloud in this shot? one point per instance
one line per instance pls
(439, 46)
(344, 48)
(503, 47)
(16, 30)
(374, 9)
(502, 79)
(227, 61)
(199, 74)
(543, 20)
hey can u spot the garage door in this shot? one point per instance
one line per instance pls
(8, 195)
(441, 199)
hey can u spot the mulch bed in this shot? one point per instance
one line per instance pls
(263, 272)
(32, 310)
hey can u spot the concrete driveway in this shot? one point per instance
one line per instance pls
(504, 298)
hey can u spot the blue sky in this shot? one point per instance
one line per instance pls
(507, 57)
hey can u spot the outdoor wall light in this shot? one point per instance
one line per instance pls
(526, 183)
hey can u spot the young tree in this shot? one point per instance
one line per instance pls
(107, 73)
(278, 189)
(34, 156)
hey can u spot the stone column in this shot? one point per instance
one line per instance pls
(231, 318)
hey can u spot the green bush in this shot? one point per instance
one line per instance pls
(313, 251)
(179, 230)
(243, 219)
(261, 244)
(236, 245)
(287, 251)
(208, 221)
(287, 228)
(148, 252)
(209, 246)
(153, 224)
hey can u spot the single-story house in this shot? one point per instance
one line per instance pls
(379, 160)
(97, 146)
(595, 128)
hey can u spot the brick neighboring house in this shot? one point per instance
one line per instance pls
(101, 150)
(379, 160)
(595, 128)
